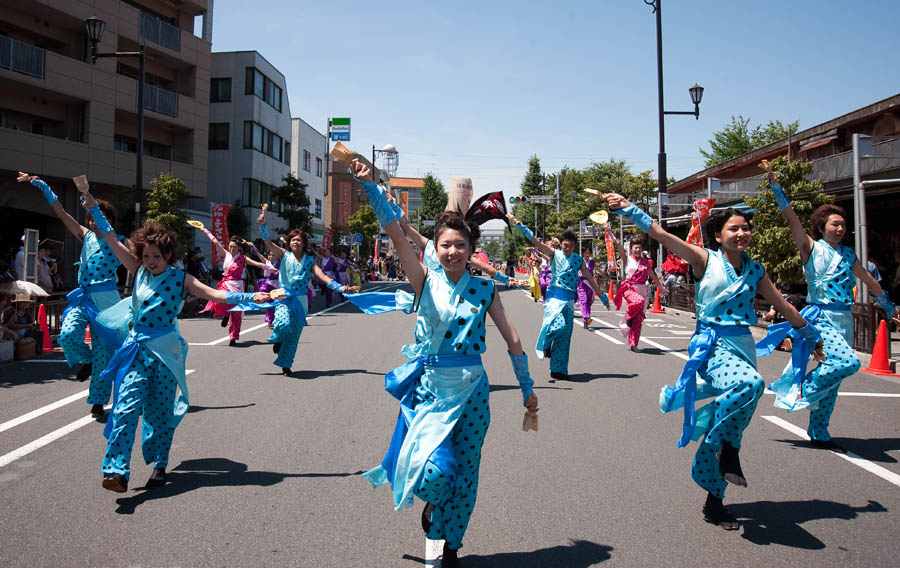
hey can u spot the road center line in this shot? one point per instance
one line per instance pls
(42, 410)
(881, 472)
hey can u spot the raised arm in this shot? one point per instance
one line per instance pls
(331, 283)
(70, 223)
(122, 252)
(264, 231)
(803, 241)
(215, 242)
(254, 263)
(420, 241)
(529, 234)
(388, 215)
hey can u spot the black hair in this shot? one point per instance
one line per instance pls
(820, 216)
(568, 235)
(638, 240)
(455, 220)
(717, 220)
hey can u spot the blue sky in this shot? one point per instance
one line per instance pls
(475, 88)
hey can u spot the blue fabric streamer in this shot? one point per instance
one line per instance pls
(264, 232)
(373, 303)
(529, 234)
(501, 277)
(292, 300)
(639, 217)
(80, 297)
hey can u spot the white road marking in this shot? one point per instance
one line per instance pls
(665, 349)
(434, 549)
(881, 472)
(607, 337)
(862, 394)
(43, 410)
(43, 361)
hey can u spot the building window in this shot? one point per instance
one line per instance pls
(287, 153)
(306, 157)
(318, 208)
(264, 88)
(121, 145)
(263, 140)
(319, 167)
(218, 135)
(220, 90)
(255, 192)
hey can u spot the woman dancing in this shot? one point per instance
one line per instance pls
(436, 450)
(96, 291)
(585, 292)
(232, 281)
(829, 268)
(150, 365)
(298, 265)
(722, 350)
(634, 289)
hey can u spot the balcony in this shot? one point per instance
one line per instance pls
(840, 166)
(21, 57)
(160, 100)
(158, 31)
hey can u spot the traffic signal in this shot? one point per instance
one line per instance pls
(518, 199)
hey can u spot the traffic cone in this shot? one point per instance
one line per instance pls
(612, 290)
(657, 309)
(879, 364)
(45, 329)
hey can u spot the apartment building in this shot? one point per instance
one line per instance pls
(62, 115)
(308, 165)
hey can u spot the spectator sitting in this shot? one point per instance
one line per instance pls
(22, 321)
(7, 311)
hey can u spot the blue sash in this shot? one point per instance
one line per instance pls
(801, 349)
(292, 300)
(558, 299)
(81, 297)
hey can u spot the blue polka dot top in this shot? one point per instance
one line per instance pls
(295, 274)
(725, 297)
(565, 270)
(98, 263)
(157, 300)
(829, 274)
(454, 312)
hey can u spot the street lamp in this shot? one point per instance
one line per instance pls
(391, 158)
(94, 27)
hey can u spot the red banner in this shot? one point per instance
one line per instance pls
(610, 251)
(377, 240)
(702, 208)
(219, 228)
(326, 238)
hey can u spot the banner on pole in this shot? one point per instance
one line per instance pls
(610, 251)
(702, 208)
(404, 203)
(326, 238)
(219, 228)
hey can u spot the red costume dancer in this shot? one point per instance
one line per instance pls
(232, 281)
(634, 290)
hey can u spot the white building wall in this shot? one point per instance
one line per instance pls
(305, 137)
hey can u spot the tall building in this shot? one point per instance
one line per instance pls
(249, 134)
(308, 165)
(62, 116)
(412, 187)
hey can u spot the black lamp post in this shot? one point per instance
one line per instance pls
(94, 27)
(696, 95)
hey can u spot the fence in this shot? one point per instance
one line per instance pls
(160, 100)
(158, 31)
(21, 57)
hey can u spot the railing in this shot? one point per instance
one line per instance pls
(840, 166)
(160, 100)
(158, 31)
(21, 57)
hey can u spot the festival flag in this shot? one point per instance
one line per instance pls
(326, 238)
(610, 251)
(219, 228)
(488, 206)
(702, 207)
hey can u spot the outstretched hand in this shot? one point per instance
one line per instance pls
(615, 201)
(87, 200)
(360, 170)
(531, 403)
(262, 297)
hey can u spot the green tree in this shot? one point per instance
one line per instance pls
(237, 221)
(294, 202)
(365, 222)
(532, 184)
(164, 201)
(493, 249)
(773, 246)
(434, 201)
(737, 138)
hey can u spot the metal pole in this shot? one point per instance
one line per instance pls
(856, 221)
(139, 173)
(862, 295)
(661, 168)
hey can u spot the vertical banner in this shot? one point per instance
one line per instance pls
(326, 238)
(702, 208)
(345, 189)
(219, 228)
(610, 252)
(377, 241)
(404, 203)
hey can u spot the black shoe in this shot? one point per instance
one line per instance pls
(828, 445)
(449, 559)
(714, 512)
(730, 465)
(426, 517)
(634, 349)
(232, 343)
(276, 347)
(224, 321)
(286, 372)
(157, 478)
(84, 373)
(97, 411)
(115, 482)
(559, 376)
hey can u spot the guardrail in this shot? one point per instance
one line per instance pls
(160, 100)
(21, 57)
(158, 31)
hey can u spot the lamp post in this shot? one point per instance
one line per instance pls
(391, 159)
(696, 95)
(94, 27)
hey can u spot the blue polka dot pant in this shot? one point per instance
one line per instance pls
(453, 493)
(740, 388)
(286, 331)
(840, 362)
(559, 338)
(147, 392)
(71, 339)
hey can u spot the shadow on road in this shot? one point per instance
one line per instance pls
(771, 522)
(588, 377)
(18, 373)
(497, 388)
(196, 408)
(872, 449)
(313, 374)
(579, 554)
(210, 472)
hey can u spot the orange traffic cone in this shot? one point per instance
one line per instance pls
(612, 290)
(879, 364)
(657, 309)
(45, 329)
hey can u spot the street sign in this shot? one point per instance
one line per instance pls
(358, 238)
(340, 129)
(429, 223)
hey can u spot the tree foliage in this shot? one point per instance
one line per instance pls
(294, 202)
(737, 138)
(237, 221)
(434, 201)
(164, 201)
(364, 222)
(773, 246)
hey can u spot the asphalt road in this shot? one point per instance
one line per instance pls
(265, 469)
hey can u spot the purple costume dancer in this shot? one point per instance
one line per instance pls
(329, 267)
(269, 282)
(586, 293)
(544, 277)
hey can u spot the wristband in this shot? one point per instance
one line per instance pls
(529, 234)
(605, 299)
(238, 297)
(398, 211)
(103, 225)
(520, 368)
(264, 232)
(45, 189)
(780, 198)
(637, 216)
(377, 199)
(334, 285)
(886, 304)
(500, 277)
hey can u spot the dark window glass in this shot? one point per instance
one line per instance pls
(287, 153)
(218, 135)
(220, 90)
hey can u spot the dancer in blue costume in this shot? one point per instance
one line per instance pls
(435, 453)
(555, 338)
(297, 266)
(96, 291)
(722, 349)
(148, 367)
(829, 268)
